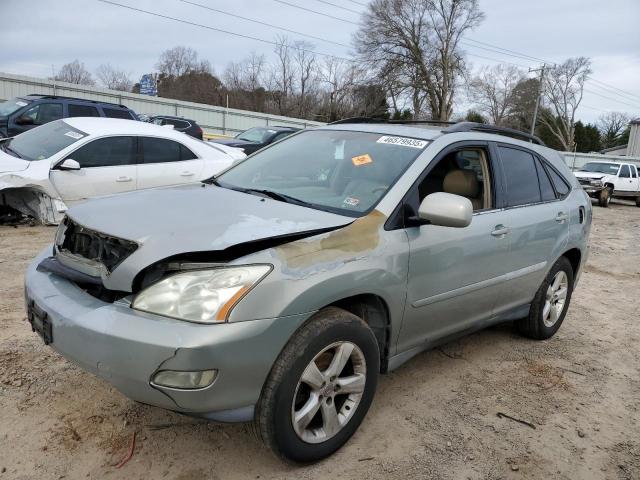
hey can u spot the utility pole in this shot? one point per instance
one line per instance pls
(535, 110)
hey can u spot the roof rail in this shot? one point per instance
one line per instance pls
(383, 120)
(61, 97)
(481, 127)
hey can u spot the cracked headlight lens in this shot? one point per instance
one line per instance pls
(202, 296)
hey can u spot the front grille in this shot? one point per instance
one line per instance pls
(584, 181)
(95, 246)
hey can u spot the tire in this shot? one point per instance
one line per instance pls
(604, 197)
(539, 325)
(637, 201)
(327, 332)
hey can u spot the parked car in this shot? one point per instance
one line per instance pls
(604, 180)
(24, 113)
(280, 290)
(65, 162)
(190, 127)
(256, 138)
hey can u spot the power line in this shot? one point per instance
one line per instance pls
(359, 3)
(263, 23)
(612, 99)
(338, 6)
(316, 12)
(614, 90)
(187, 22)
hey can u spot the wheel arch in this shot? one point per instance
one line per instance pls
(574, 255)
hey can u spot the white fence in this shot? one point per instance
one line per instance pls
(213, 120)
(575, 161)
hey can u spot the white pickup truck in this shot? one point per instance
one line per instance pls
(604, 179)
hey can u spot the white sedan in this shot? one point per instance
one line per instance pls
(64, 162)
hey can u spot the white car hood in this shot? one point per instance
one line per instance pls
(589, 174)
(9, 163)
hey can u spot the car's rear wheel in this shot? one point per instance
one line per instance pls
(604, 198)
(320, 387)
(550, 304)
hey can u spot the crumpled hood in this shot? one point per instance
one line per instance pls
(192, 218)
(9, 163)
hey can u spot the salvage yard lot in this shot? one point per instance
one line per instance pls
(578, 395)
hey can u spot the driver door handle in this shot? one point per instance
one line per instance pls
(124, 179)
(187, 174)
(500, 231)
(561, 217)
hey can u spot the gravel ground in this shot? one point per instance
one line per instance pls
(435, 417)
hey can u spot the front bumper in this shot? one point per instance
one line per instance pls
(592, 189)
(126, 347)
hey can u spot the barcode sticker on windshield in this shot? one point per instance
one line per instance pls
(403, 141)
(73, 134)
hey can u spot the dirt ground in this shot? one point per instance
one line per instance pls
(435, 417)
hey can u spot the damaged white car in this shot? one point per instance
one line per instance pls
(44, 170)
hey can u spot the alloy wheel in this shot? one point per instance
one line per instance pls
(329, 392)
(555, 299)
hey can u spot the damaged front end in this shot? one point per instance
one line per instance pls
(35, 203)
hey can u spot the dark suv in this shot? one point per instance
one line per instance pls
(190, 127)
(23, 113)
(255, 138)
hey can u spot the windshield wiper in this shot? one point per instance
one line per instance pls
(277, 196)
(10, 150)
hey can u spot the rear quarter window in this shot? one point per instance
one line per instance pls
(82, 110)
(561, 185)
(117, 113)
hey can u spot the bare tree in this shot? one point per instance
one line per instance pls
(420, 40)
(74, 72)
(612, 126)
(282, 75)
(340, 78)
(177, 61)
(492, 90)
(113, 78)
(563, 88)
(307, 70)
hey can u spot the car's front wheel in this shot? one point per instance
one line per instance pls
(320, 387)
(550, 304)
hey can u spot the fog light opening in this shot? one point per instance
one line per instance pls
(184, 380)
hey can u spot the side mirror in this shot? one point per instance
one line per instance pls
(69, 164)
(24, 121)
(446, 210)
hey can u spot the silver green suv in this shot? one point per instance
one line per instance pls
(280, 290)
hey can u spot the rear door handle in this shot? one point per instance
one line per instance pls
(561, 217)
(187, 174)
(500, 231)
(124, 179)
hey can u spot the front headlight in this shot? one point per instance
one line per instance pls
(202, 296)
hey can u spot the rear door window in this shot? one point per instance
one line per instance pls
(76, 110)
(116, 113)
(521, 176)
(546, 188)
(106, 152)
(162, 150)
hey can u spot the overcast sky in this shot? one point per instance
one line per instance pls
(37, 34)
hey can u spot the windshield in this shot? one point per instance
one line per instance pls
(44, 141)
(256, 135)
(10, 106)
(344, 172)
(600, 167)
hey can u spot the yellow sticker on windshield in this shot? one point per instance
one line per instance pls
(361, 159)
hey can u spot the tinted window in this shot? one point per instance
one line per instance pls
(624, 172)
(82, 111)
(280, 136)
(44, 113)
(178, 124)
(116, 113)
(546, 189)
(161, 150)
(520, 175)
(633, 171)
(562, 187)
(106, 152)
